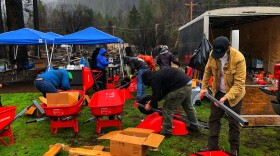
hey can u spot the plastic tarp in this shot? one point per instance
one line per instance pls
(88, 36)
(200, 57)
(24, 36)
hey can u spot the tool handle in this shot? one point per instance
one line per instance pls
(41, 110)
(37, 120)
(230, 112)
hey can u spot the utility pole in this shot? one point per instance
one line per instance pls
(156, 29)
(191, 5)
(113, 30)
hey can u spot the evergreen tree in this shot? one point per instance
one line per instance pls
(134, 18)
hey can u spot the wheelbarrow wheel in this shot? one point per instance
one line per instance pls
(98, 86)
(125, 81)
(144, 100)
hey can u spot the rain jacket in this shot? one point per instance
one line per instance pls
(163, 82)
(165, 58)
(101, 60)
(58, 78)
(234, 76)
(149, 60)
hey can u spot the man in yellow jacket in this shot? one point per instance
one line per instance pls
(228, 67)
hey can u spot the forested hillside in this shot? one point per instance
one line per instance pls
(145, 23)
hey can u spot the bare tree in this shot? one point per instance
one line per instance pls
(3, 53)
(15, 21)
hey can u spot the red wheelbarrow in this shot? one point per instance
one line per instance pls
(109, 103)
(154, 119)
(66, 116)
(133, 85)
(124, 83)
(7, 116)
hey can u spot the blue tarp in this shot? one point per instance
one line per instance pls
(24, 36)
(88, 36)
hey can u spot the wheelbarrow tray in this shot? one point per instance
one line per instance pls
(64, 111)
(154, 122)
(7, 115)
(107, 102)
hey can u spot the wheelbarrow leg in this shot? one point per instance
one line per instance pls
(98, 126)
(120, 121)
(53, 130)
(7, 133)
(76, 125)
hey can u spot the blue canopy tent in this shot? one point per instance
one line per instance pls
(89, 36)
(51, 36)
(26, 36)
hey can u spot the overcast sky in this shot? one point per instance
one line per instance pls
(44, 1)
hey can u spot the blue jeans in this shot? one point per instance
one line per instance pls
(140, 85)
(44, 87)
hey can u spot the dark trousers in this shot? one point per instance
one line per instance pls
(173, 100)
(215, 124)
(103, 78)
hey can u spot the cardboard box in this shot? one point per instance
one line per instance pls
(33, 111)
(132, 141)
(60, 99)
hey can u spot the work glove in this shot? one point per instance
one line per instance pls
(131, 76)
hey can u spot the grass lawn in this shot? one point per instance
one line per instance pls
(34, 139)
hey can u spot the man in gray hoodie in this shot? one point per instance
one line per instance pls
(165, 58)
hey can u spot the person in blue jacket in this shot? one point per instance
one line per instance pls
(101, 64)
(53, 81)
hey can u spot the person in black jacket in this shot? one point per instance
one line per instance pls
(165, 58)
(172, 85)
(141, 66)
(93, 58)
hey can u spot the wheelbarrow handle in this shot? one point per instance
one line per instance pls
(125, 85)
(227, 110)
(41, 110)
(152, 109)
(37, 120)
(89, 120)
(67, 118)
(22, 112)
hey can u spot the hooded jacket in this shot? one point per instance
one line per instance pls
(101, 60)
(165, 58)
(58, 78)
(135, 64)
(164, 81)
(234, 76)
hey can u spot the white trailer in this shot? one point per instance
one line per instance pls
(258, 27)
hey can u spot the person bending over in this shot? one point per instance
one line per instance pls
(172, 85)
(53, 81)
